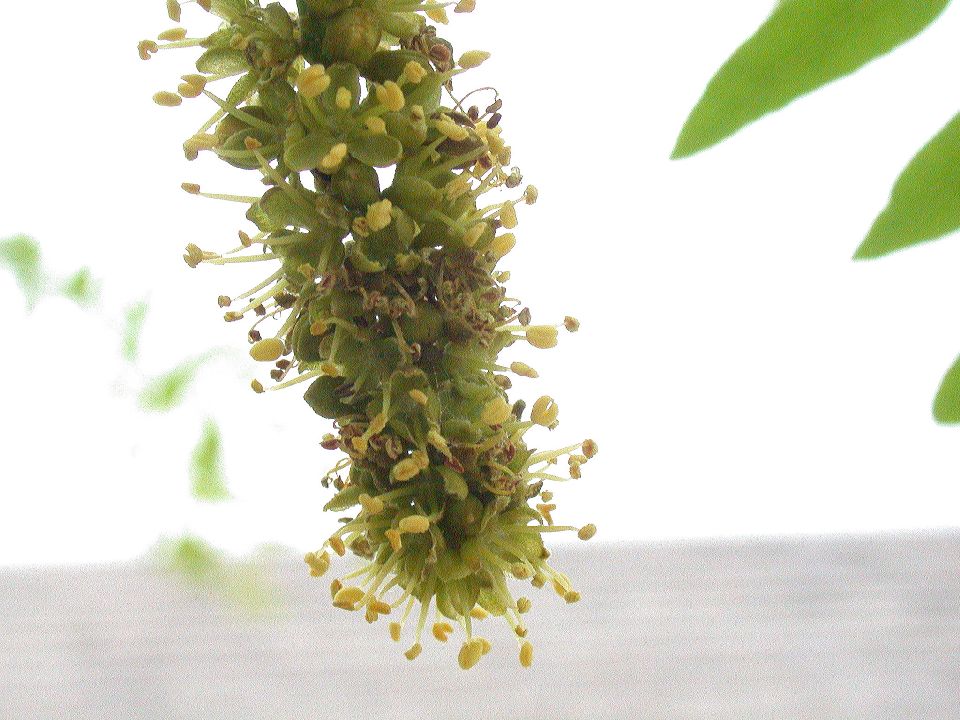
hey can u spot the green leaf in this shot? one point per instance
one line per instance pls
(81, 288)
(925, 202)
(21, 255)
(804, 45)
(132, 327)
(222, 61)
(206, 466)
(190, 557)
(946, 406)
(165, 392)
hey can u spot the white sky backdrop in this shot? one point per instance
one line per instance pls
(740, 373)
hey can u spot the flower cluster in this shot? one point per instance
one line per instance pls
(384, 295)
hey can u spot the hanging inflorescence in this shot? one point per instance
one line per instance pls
(386, 299)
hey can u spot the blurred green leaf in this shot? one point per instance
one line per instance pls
(242, 583)
(925, 202)
(206, 466)
(81, 288)
(165, 392)
(946, 406)
(132, 327)
(804, 45)
(21, 255)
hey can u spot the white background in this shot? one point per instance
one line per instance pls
(741, 374)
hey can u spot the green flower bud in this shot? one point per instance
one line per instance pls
(353, 36)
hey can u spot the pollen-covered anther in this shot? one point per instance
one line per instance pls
(203, 141)
(319, 563)
(575, 472)
(331, 162)
(523, 370)
(172, 35)
(526, 654)
(167, 99)
(470, 654)
(380, 607)
(313, 81)
(194, 255)
(453, 131)
(442, 631)
(545, 509)
(188, 91)
(335, 587)
(508, 216)
(414, 652)
(590, 448)
(390, 95)
(376, 125)
(344, 98)
(496, 412)
(147, 49)
(545, 411)
(571, 596)
(542, 337)
(395, 631)
(257, 387)
(546, 496)
(571, 324)
(520, 571)
(191, 188)
(393, 537)
(502, 245)
(414, 72)
(414, 524)
(437, 13)
(531, 194)
(523, 605)
(465, 6)
(370, 615)
(473, 234)
(478, 613)
(473, 58)
(405, 470)
(347, 598)
(379, 215)
(338, 547)
(268, 350)
(587, 531)
(419, 397)
(373, 506)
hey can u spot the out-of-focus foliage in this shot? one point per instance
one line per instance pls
(135, 317)
(166, 391)
(81, 288)
(206, 466)
(21, 255)
(806, 44)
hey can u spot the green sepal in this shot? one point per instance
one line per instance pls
(222, 61)
(345, 499)
(389, 64)
(375, 150)
(453, 482)
(324, 399)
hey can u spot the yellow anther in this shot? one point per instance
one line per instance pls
(379, 215)
(473, 58)
(543, 337)
(172, 35)
(414, 72)
(360, 227)
(526, 654)
(344, 98)
(377, 424)
(395, 630)
(267, 350)
(338, 547)
(198, 81)
(485, 645)
(203, 141)
(587, 531)
(531, 195)
(381, 607)
(478, 613)
(146, 49)
(538, 581)
(188, 91)
(523, 605)
(359, 444)
(391, 96)
(457, 187)
(438, 14)
(452, 130)
(319, 563)
(173, 10)
(421, 458)
(520, 571)
(589, 448)
(328, 368)
(438, 441)
(520, 631)
(559, 588)
(414, 524)
(335, 587)
(465, 6)
(508, 216)
(523, 370)
(470, 654)
(370, 614)
(546, 496)
(502, 245)
(257, 387)
(572, 596)
(373, 506)
(191, 188)
(376, 125)
(348, 597)
(251, 143)
(405, 470)
(495, 412)
(419, 397)
(473, 234)
(545, 411)
(167, 99)
(545, 510)
(313, 81)
(394, 539)
(575, 470)
(571, 324)
(414, 652)
(442, 630)
(205, 4)
(331, 162)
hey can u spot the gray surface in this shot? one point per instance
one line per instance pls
(819, 628)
